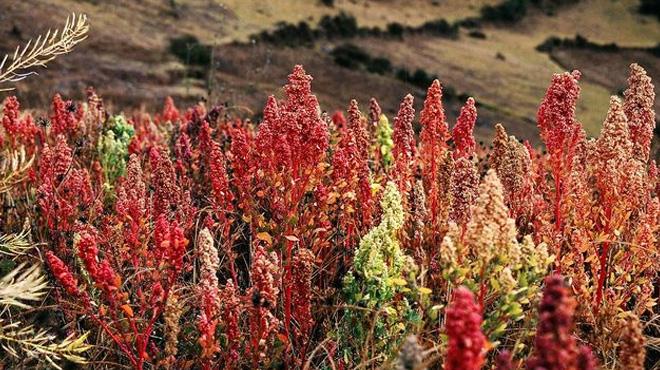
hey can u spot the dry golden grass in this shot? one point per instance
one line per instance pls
(256, 15)
(516, 84)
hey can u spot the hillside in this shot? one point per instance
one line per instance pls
(127, 55)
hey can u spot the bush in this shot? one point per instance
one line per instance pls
(579, 42)
(477, 34)
(650, 7)
(510, 11)
(379, 65)
(350, 56)
(395, 30)
(440, 27)
(189, 50)
(339, 26)
(291, 35)
(549, 44)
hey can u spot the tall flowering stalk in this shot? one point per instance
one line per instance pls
(489, 259)
(356, 124)
(352, 179)
(464, 177)
(513, 164)
(463, 131)
(263, 294)
(463, 186)
(561, 133)
(294, 139)
(613, 150)
(555, 346)
(222, 197)
(466, 345)
(171, 316)
(66, 116)
(376, 285)
(405, 148)
(638, 107)
(433, 147)
(303, 268)
(383, 145)
(232, 309)
(209, 293)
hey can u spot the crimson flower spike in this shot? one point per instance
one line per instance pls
(638, 106)
(432, 117)
(301, 122)
(404, 143)
(170, 113)
(374, 113)
(433, 143)
(556, 115)
(359, 132)
(62, 274)
(339, 121)
(463, 132)
(10, 116)
(465, 349)
(560, 131)
(555, 347)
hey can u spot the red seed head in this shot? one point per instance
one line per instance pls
(465, 349)
(462, 133)
(556, 115)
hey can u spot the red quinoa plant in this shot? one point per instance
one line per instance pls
(197, 239)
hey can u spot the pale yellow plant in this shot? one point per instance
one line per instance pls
(14, 168)
(37, 53)
(17, 288)
(22, 284)
(19, 340)
(14, 245)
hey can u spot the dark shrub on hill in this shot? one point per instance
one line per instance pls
(470, 22)
(650, 7)
(550, 6)
(190, 51)
(287, 34)
(477, 34)
(419, 78)
(439, 27)
(579, 42)
(379, 65)
(510, 11)
(350, 56)
(395, 30)
(341, 25)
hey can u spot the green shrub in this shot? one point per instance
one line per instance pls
(190, 51)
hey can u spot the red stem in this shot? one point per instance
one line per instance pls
(558, 216)
(603, 262)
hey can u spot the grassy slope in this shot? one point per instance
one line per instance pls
(254, 15)
(516, 85)
(126, 54)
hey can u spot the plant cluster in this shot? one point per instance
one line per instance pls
(196, 239)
